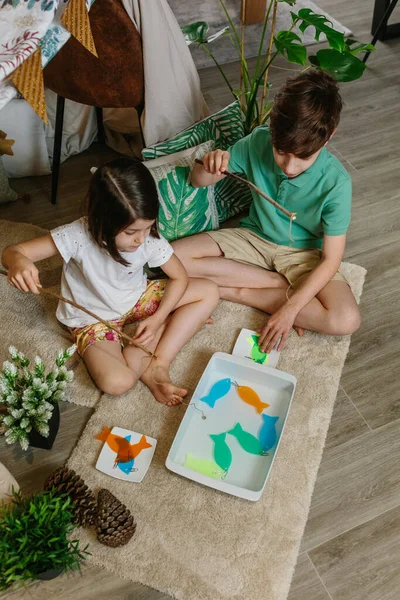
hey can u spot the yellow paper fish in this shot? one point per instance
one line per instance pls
(204, 466)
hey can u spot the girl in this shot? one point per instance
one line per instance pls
(104, 254)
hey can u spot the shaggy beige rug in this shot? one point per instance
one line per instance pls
(193, 542)
(29, 323)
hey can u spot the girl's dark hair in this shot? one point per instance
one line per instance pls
(305, 113)
(120, 192)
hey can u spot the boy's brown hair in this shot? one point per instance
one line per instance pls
(305, 113)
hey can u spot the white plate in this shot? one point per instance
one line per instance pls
(248, 473)
(243, 347)
(127, 471)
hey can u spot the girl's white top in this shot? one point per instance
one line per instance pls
(92, 278)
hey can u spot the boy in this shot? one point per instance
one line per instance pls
(298, 283)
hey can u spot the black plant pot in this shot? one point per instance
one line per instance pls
(38, 441)
(51, 574)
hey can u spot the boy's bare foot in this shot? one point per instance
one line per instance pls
(157, 379)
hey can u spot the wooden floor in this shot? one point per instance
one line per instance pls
(351, 548)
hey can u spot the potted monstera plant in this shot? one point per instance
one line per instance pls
(340, 58)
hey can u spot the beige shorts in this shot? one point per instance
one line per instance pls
(244, 246)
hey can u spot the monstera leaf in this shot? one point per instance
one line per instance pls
(196, 33)
(184, 210)
(356, 49)
(343, 65)
(309, 18)
(287, 44)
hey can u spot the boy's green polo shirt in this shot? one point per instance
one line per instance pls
(321, 196)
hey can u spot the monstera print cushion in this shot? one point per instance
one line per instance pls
(184, 209)
(225, 128)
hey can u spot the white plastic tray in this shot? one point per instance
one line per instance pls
(248, 473)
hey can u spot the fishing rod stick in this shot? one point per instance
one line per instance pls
(291, 215)
(91, 314)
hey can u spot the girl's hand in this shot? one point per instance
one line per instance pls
(278, 326)
(216, 162)
(147, 329)
(23, 275)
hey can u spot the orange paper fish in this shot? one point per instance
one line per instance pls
(124, 450)
(251, 397)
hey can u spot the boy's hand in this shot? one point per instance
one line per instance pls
(147, 330)
(23, 275)
(278, 326)
(216, 162)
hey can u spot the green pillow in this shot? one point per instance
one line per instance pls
(184, 209)
(225, 128)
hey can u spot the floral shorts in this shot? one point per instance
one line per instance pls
(146, 306)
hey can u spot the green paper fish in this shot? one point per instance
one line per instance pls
(248, 441)
(255, 353)
(204, 466)
(222, 453)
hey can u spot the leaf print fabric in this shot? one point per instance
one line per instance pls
(184, 209)
(24, 25)
(54, 39)
(224, 128)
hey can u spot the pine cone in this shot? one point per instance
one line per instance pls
(115, 523)
(84, 505)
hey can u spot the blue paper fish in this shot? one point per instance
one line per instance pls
(247, 440)
(218, 390)
(222, 453)
(127, 467)
(267, 435)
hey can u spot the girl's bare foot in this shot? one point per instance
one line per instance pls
(299, 330)
(157, 379)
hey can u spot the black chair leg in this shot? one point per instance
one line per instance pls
(100, 128)
(382, 24)
(139, 111)
(57, 147)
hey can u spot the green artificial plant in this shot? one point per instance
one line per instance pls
(34, 538)
(29, 395)
(340, 59)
